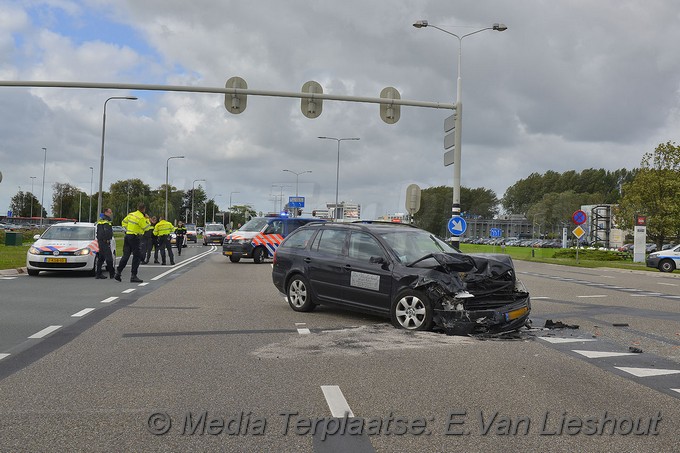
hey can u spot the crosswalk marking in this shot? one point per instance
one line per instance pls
(565, 340)
(601, 354)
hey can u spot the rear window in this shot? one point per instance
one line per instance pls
(298, 239)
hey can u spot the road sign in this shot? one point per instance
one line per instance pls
(457, 225)
(496, 232)
(579, 217)
(236, 103)
(296, 202)
(579, 232)
(449, 157)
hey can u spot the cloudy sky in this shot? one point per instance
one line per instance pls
(570, 85)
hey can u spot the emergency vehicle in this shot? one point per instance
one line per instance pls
(260, 236)
(665, 260)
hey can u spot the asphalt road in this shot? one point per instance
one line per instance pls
(211, 358)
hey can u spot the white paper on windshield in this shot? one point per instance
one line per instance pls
(367, 281)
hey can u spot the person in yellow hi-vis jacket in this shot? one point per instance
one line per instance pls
(134, 223)
(162, 232)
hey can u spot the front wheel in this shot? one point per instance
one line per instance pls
(411, 310)
(33, 272)
(259, 254)
(667, 266)
(299, 296)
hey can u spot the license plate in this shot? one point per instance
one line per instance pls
(514, 314)
(56, 260)
(227, 253)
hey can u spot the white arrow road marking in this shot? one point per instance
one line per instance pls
(646, 372)
(302, 330)
(601, 354)
(565, 340)
(336, 401)
(2, 356)
(676, 390)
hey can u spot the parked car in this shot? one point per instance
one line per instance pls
(118, 229)
(214, 233)
(192, 234)
(400, 272)
(260, 236)
(665, 260)
(67, 246)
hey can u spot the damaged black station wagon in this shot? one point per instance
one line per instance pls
(402, 272)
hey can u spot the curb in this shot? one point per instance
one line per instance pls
(20, 270)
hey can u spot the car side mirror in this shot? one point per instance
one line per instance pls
(376, 260)
(36, 237)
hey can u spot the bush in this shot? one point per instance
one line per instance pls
(595, 255)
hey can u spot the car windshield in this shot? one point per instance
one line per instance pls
(255, 224)
(190, 227)
(214, 228)
(414, 244)
(69, 233)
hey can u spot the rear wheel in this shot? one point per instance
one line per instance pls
(259, 254)
(667, 266)
(299, 296)
(411, 310)
(234, 259)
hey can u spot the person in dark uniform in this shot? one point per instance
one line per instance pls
(104, 237)
(180, 236)
(150, 241)
(135, 224)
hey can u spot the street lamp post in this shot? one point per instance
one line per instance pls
(213, 200)
(455, 209)
(192, 198)
(101, 158)
(42, 196)
(89, 213)
(230, 194)
(167, 163)
(297, 180)
(337, 172)
(32, 196)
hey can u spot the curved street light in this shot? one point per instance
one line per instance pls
(297, 179)
(337, 172)
(101, 158)
(167, 163)
(455, 209)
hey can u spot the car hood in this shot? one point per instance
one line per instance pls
(56, 245)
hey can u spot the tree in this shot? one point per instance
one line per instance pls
(435, 207)
(197, 196)
(25, 204)
(655, 192)
(124, 196)
(239, 215)
(66, 200)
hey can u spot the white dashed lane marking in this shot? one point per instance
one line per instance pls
(109, 299)
(128, 291)
(46, 331)
(336, 401)
(565, 340)
(82, 312)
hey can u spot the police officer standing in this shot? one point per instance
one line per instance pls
(135, 224)
(149, 241)
(104, 237)
(162, 231)
(181, 233)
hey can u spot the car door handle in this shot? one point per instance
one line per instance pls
(307, 260)
(348, 267)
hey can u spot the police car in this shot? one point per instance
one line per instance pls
(65, 246)
(665, 260)
(260, 236)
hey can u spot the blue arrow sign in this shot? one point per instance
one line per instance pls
(496, 232)
(457, 225)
